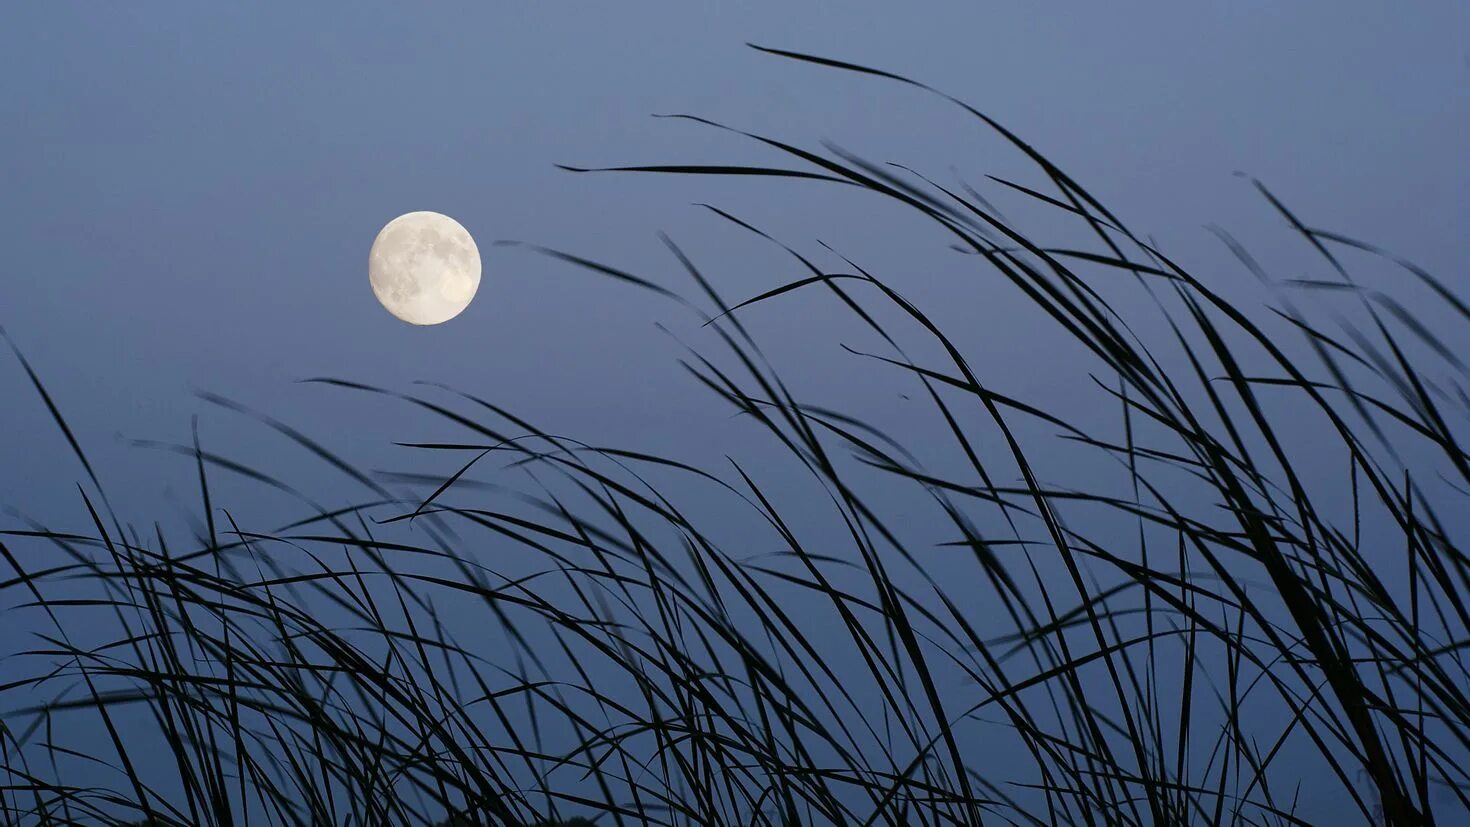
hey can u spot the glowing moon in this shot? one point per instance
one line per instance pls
(424, 267)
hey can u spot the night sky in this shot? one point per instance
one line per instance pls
(190, 191)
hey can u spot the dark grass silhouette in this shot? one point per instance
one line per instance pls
(1211, 641)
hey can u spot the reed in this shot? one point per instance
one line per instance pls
(1214, 633)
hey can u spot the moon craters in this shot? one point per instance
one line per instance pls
(424, 268)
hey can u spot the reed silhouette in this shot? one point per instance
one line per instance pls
(1211, 634)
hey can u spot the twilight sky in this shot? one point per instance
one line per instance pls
(190, 191)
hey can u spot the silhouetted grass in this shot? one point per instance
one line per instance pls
(1212, 634)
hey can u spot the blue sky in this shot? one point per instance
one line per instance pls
(191, 190)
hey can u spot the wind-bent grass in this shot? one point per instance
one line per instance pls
(1212, 641)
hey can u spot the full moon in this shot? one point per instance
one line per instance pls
(424, 267)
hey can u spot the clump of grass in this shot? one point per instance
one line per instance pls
(1216, 634)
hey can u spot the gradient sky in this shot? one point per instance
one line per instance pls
(188, 191)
